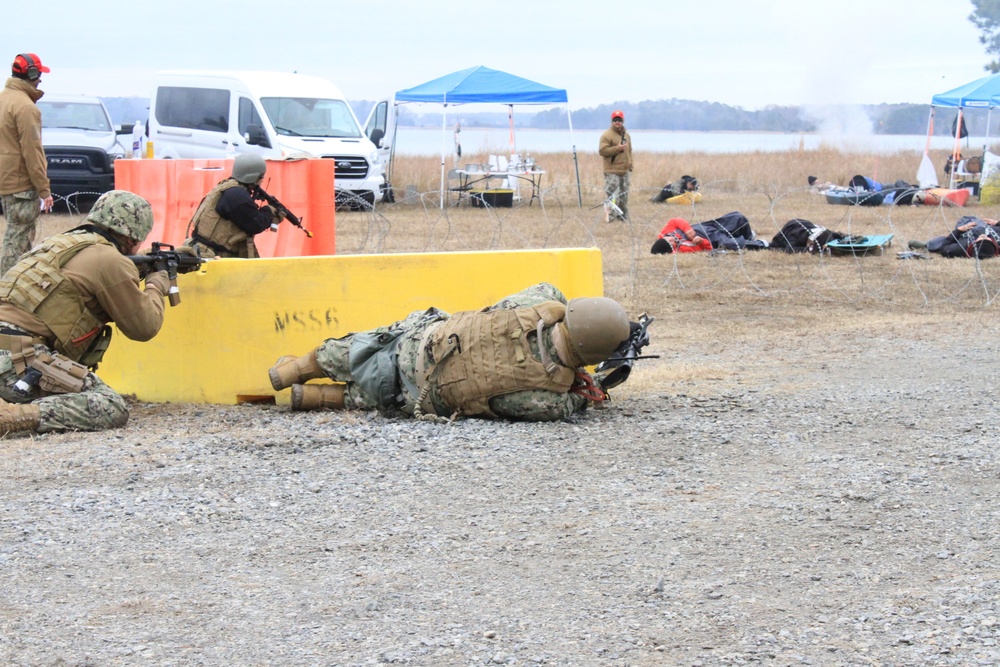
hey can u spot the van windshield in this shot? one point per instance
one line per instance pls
(310, 117)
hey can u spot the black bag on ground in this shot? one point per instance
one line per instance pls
(798, 235)
(729, 232)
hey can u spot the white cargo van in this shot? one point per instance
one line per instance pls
(278, 115)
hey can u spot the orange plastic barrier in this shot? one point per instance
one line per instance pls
(175, 188)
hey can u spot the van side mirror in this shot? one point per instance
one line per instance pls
(125, 128)
(255, 136)
(377, 135)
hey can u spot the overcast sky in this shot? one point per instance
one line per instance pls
(747, 53)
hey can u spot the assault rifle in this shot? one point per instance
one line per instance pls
(616, 369)
(259, 193)
(163, 257)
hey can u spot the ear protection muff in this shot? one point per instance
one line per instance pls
(30, 69)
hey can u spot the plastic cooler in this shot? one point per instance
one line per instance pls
(495, 198)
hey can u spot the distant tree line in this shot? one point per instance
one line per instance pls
(673, 114)
(693, 116)
(690, 115)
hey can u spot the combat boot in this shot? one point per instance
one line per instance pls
(15, 417)
(315, 396)
(291, 370)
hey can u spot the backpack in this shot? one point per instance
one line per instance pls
(799, 235)
(963, 131)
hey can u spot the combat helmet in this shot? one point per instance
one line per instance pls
(596, 327)
(123, 212)
(249, 168)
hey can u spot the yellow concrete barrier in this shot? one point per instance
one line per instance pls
(236, 317)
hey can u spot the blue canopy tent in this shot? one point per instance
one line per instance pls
(982, 93)
(978, 93)
(484, 85)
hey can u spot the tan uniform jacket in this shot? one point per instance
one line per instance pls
(613, 161)
(22, 159)
(110, 286)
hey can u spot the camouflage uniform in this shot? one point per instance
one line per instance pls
(616, 187)
(94, 408)
(617, 166)
(78, 280)
(334, 356)
(21, 213)
(24, 181)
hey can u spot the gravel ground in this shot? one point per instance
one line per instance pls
(782, 509)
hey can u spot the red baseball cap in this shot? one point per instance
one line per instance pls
(614, 114)
(24, 63)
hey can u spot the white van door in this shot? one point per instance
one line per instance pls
(192, 122)
(253, 135)
(380, 129)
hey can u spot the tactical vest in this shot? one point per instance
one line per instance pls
(485, 354)
(37, 285)
(208, 224)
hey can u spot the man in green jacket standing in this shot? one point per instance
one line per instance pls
(24, 181)
(615, 148)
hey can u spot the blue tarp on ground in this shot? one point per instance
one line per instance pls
(482, 84)
(979, 93)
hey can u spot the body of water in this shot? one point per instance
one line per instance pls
(478, 141)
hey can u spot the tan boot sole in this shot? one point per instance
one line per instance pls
(297, 395)
(275, 375)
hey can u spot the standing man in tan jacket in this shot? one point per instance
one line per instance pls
(616, 151)
(24, 181)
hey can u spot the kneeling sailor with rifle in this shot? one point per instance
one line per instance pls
(55, 306)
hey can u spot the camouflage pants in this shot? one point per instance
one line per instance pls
(333, 355)
(21, 211)
(616, 186)
(95, 408)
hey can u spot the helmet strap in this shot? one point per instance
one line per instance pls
(568, 356)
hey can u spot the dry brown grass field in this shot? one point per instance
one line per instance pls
(760, 299)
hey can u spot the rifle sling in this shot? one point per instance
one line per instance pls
(219, 249)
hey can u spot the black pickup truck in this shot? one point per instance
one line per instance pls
(81, 146)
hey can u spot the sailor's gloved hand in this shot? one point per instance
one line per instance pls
(277, 214)
(160, 281)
